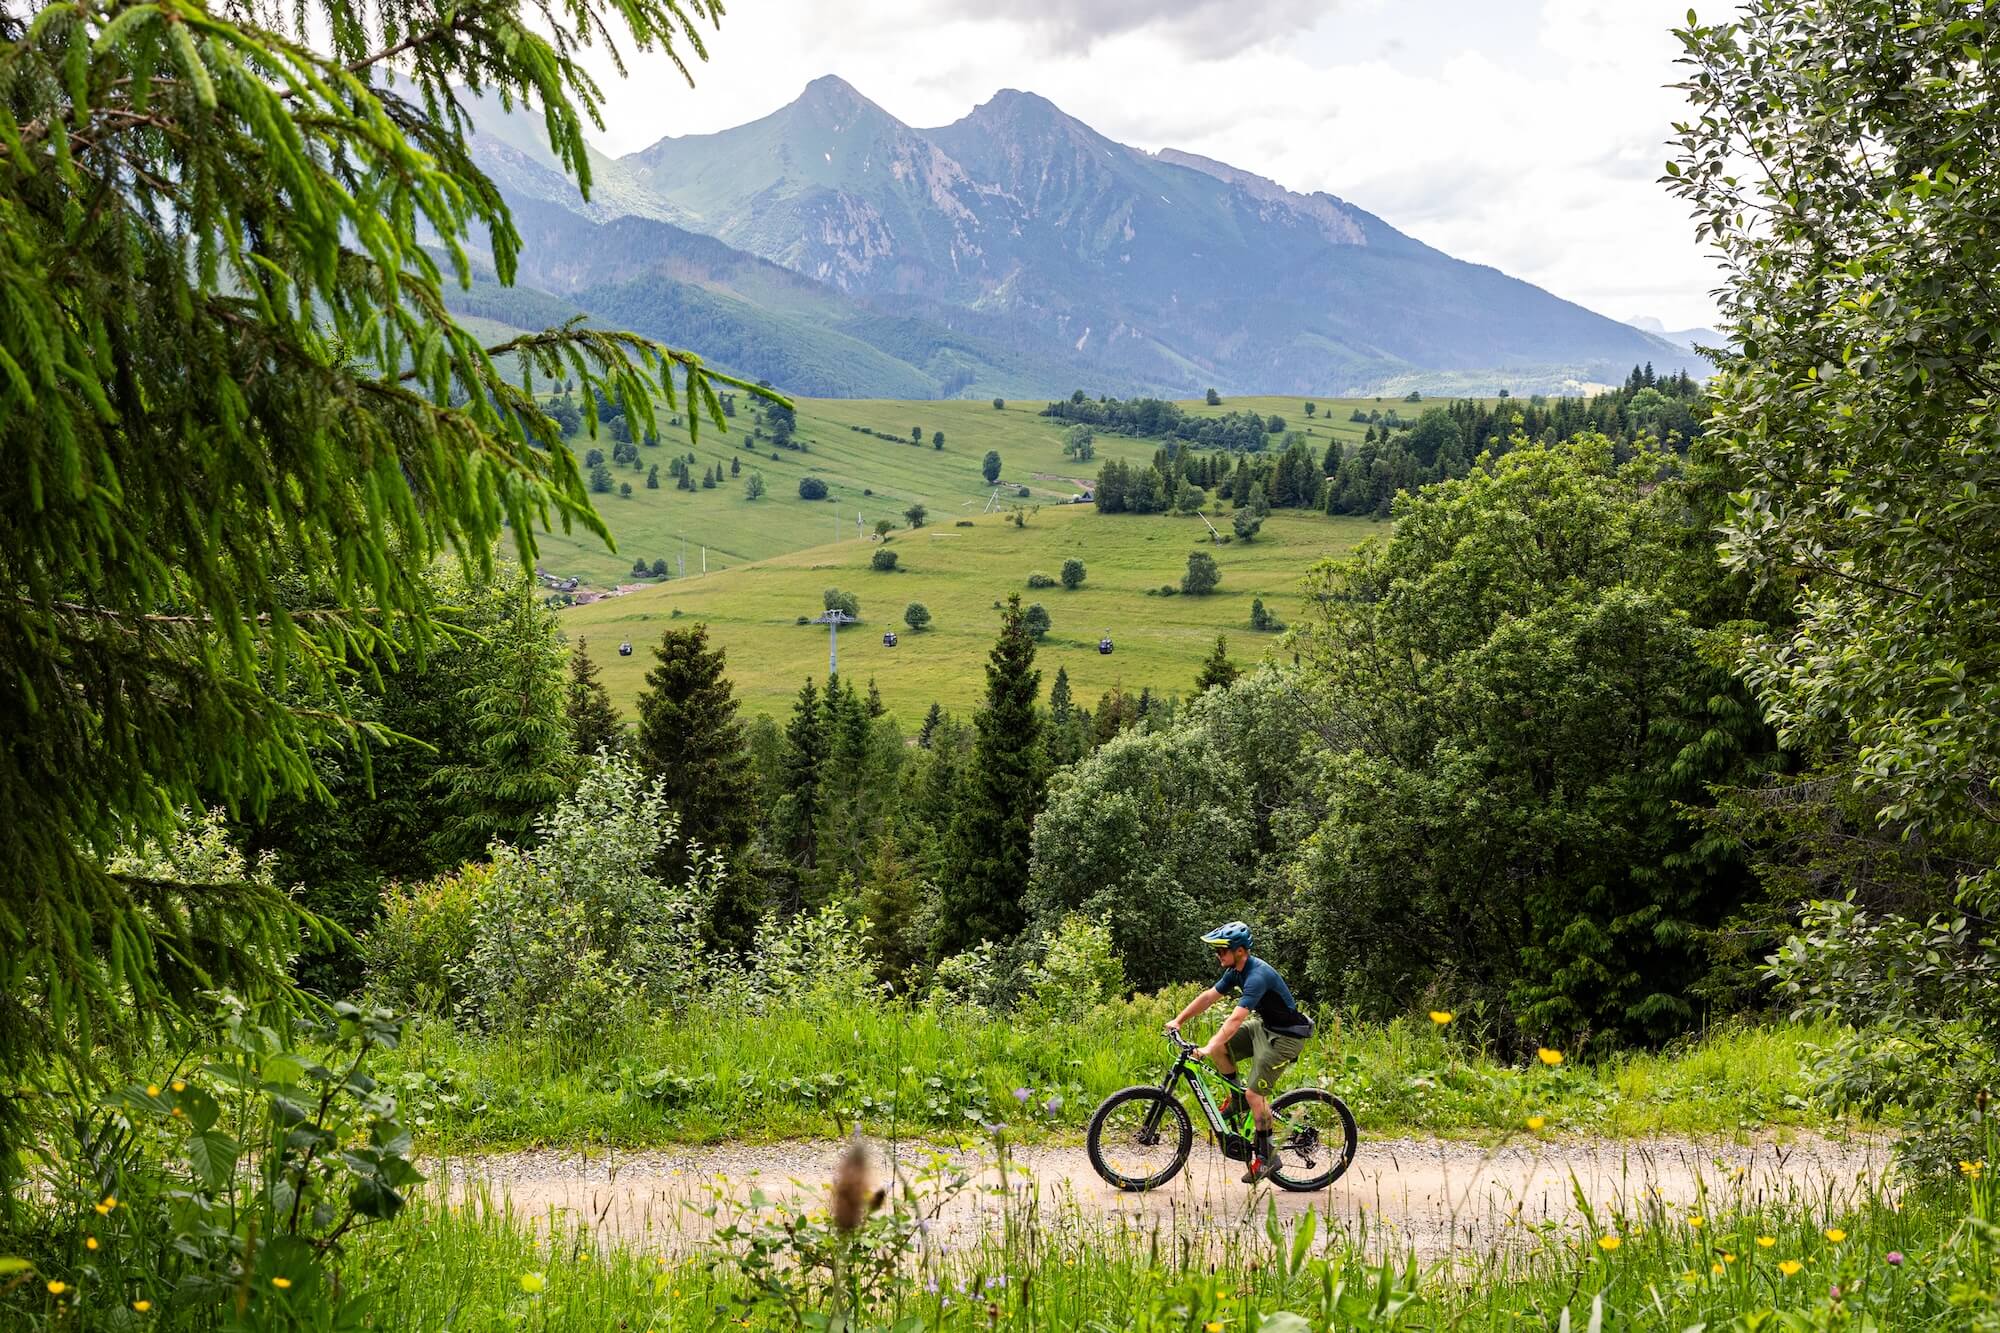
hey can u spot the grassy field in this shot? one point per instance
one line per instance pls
(959, 573)
(819, 1068)
(652, 524)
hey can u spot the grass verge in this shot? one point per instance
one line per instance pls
(806, 1071)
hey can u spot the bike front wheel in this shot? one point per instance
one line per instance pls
(1316, 1140)
(1140, 1139)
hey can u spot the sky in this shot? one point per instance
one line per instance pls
(1525, 134)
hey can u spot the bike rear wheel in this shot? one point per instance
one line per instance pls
(1140, 1139)
(1315, 1141)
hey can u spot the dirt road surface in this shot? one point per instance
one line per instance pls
(1429, 1196)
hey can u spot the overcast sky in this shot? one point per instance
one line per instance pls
(1526, 134)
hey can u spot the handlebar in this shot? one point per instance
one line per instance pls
(1180, 1043)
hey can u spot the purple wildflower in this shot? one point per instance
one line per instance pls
(1895, 1258)
(1022, 1094)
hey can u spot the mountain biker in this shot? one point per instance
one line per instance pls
(1265, 1027)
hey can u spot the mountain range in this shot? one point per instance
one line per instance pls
(836, 251)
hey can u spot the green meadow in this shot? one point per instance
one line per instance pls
(866, 476)
(768, 560)
(959, 573)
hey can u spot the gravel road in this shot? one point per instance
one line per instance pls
(1429, 1196)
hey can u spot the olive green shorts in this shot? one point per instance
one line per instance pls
(1268, 1054)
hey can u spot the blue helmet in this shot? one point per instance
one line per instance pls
(1234, 935)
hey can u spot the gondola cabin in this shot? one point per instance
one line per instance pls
(1104, 646)
(889, 640)
(624, 650)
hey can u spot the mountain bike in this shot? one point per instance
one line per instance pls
(1141, 1137)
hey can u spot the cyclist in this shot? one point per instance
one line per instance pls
(1266, 1028)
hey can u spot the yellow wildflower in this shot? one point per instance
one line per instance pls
(110, 1202)
(1835, 1234)
(1440, 1016)
(152, 1089)
(1766, 1242)
(1973, 1170)
(282, 1283)
(58, 1288)
(1549, 1057)
(1212, 1326)
(180, 1085)
(1537, 1121)
(1728, 1258)
(90, 1242)
(1695, 1222)
(1789, 1266)
(142, 1306)
(1608, 1243)
(1715, 1269)
(531, 1283)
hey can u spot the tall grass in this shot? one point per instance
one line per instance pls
(1825, 1257)
(813, 1071)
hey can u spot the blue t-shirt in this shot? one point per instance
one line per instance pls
(1265, 994)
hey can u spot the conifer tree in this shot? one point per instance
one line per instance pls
(521, 761)
(593, 722)
(891, 896)
(691, 741)
(930, 726)
(875, 706)
(245, 209)
(1216, 668)
(804, 756)
(990, 837)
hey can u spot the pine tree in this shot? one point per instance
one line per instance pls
(930, 726)
(891, 897)
(521, 761)
(804, 757)
(875, 705)
(982, 899)
(1216, 668)
(691, 742)
(1060, 702)
(593, 722)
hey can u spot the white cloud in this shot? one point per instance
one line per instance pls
(1525, 136)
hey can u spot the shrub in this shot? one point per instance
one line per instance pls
(577, 930)
(834, 599)
(1078, 970)
(999, 403)
(1072, 573)
(1037, 579)
(811, 488)
(916, 615)
(963, 523)
(884, 560)
(1021, 491)
(988, 976)
(1167, 590)
(819, 960)
(415, 953)
(1037, 620)
(230, 1188)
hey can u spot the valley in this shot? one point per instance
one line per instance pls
(769, 559)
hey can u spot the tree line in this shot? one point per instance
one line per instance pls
(1395, 454)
